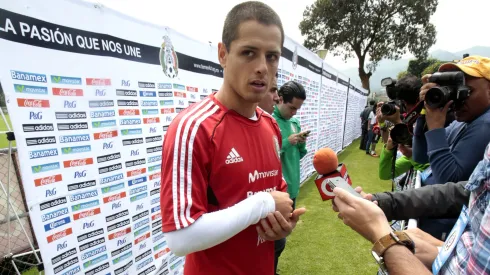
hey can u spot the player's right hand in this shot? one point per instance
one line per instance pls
(283, 203)
(296, 138)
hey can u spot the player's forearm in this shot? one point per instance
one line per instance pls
(400, 261)
(214, 228)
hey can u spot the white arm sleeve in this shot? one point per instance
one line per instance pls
(214, 228)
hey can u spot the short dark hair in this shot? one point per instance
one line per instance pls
(250, 10)
(290, 90)
(372, 102)
(409, 88)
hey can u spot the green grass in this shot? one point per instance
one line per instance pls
(3, 137)
(32, 271)
(321, 243)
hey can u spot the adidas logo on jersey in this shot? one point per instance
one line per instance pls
(233, 157)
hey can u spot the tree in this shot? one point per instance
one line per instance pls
(417, 66)
(434, 67)
(401, 74)
(370, 28)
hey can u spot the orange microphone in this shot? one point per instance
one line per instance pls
(330, 172)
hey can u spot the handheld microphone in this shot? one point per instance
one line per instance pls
(330, 173)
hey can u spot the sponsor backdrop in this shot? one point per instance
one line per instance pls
(93, 92)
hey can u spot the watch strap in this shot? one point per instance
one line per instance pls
(391, 239)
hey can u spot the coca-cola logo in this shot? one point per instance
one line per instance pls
(152, 120)
(32, 103)
(115, 198)
(67, 92)
(48, 180)
(78, 162)
(87, 213)
(58, 236)
(129, 112)
(106, 135)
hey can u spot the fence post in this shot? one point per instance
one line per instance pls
(345, 117)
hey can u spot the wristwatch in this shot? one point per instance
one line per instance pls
(394, 238)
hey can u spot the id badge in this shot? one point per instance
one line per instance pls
(425, 174)
(451, 241)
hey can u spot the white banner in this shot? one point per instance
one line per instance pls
(356, 102)
(91, 93)
(332, 109)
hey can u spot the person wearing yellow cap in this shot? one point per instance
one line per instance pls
(453, 152)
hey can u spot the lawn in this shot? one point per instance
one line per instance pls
(3, 128)
(321, 243)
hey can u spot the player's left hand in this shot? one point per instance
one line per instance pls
(276, 227)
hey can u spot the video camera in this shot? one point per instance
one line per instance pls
(401, 133)
(451, 87)
(393, 93)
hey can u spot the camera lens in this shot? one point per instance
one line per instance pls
(388, 109)
(437, 97)
(400, 134)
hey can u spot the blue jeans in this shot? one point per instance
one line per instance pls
(369, 141)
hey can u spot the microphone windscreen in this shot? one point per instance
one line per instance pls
(325, 161)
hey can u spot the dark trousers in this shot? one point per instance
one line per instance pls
(363, 138)
(279, 245)
(369, 140)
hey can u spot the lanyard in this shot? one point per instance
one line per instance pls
(451, 241)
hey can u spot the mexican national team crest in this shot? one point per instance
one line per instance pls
(168, 58)
(295, 57)
(276, 145)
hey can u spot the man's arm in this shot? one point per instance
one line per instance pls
(400, 260)
(432, 201)
(214, 228)
(402, 165)
(459, 164)
(301, 145)
(369, 221)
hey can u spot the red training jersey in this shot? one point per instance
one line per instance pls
(212, 159)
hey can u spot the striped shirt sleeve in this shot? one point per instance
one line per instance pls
(185, 159)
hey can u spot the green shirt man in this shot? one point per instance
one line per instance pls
(291, 97)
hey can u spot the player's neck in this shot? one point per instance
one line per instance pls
(231, 100)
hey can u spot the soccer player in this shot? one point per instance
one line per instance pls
(271, 99)
(223, 198)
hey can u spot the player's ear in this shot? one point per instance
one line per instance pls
(222, 54)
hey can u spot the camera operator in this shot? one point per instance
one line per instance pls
(453, 151)
(406, 90)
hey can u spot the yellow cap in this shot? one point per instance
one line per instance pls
(476, 66)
